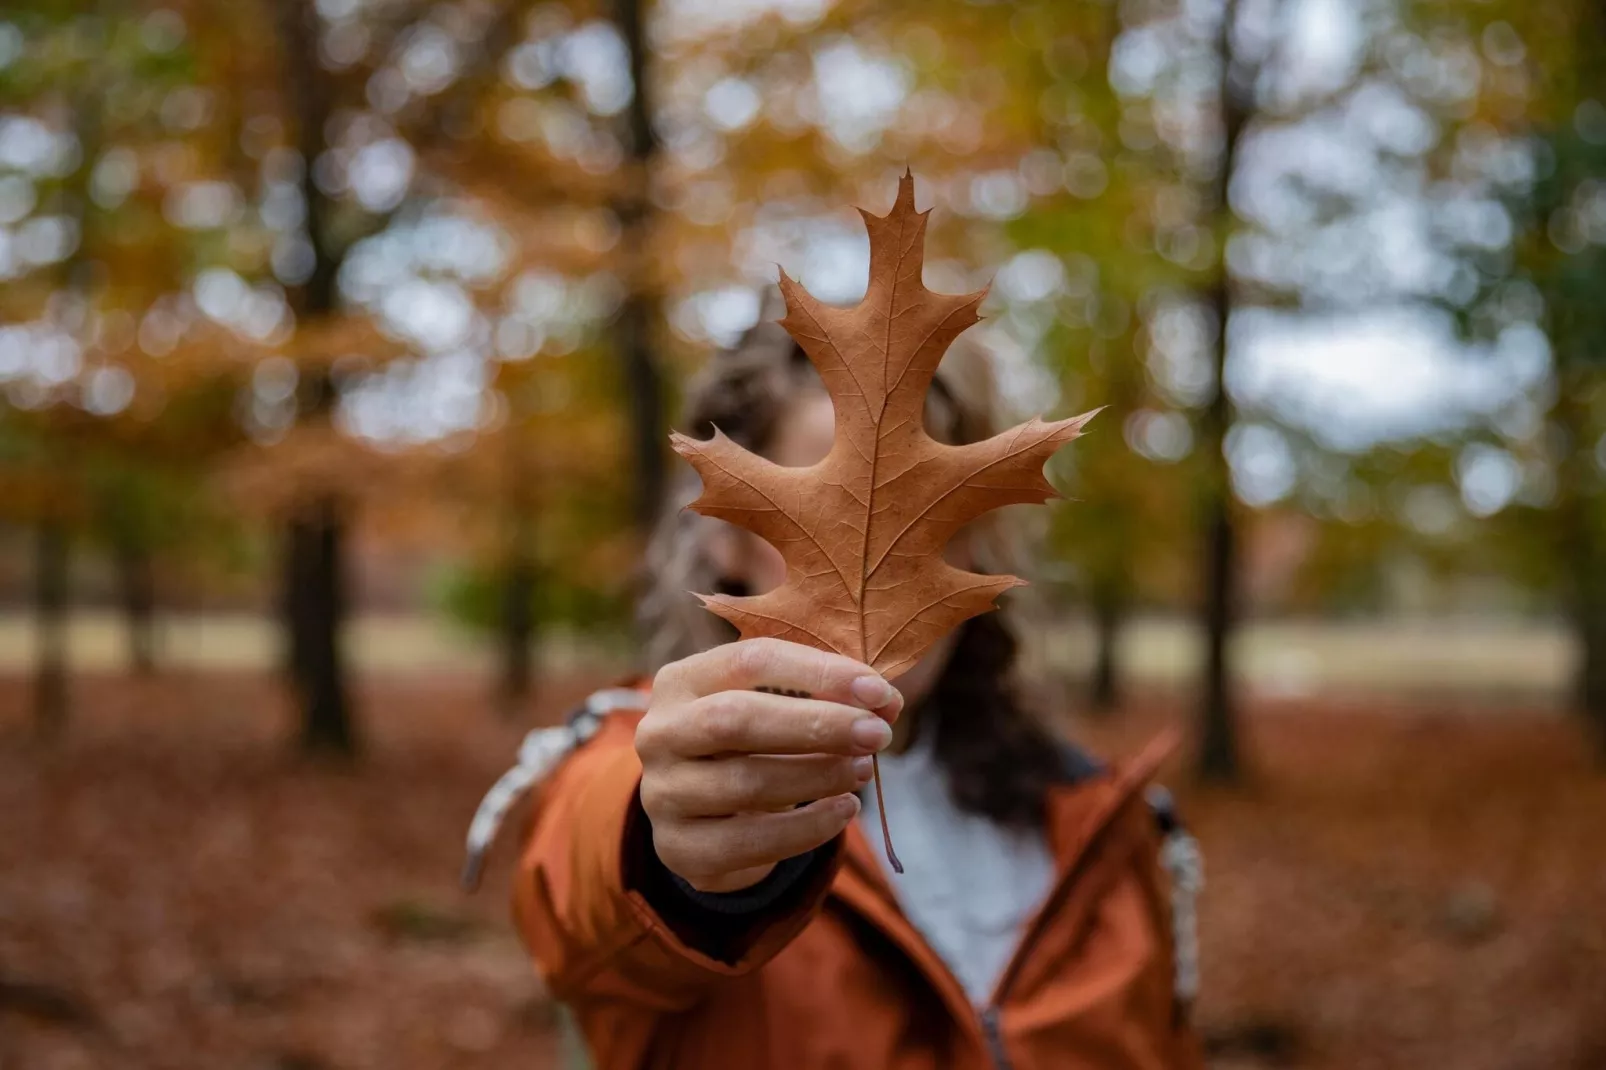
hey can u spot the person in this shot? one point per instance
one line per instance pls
(703, 884)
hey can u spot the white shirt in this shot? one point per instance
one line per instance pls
(968, 884)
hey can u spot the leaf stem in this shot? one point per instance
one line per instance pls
(881, 808)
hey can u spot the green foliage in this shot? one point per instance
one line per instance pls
(473, 596)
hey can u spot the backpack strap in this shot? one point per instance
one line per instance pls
(1183, 863)
(1181, 860)
(540, 753)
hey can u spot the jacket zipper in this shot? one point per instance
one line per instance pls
(992, 1031)
(994, 1034)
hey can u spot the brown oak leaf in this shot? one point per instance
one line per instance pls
(863, 531)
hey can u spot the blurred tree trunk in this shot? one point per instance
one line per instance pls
(292, 664)
(317, 544)
(1109, 614)
(519, 567)
(1219, 757)
(1572, 291)
(1592, 675)
(316, 610)
(518, 632)
(1569, 281)
(1579, 508)
(633, 329)
(136, 589)
(52, 546)
(50, 629)
(315, 617)
(1589, 624)
(314, 602)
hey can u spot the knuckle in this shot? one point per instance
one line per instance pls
(650, 734)
(823, 729)
(754, 657)
(665, 679)
(830, 675)
(654, 796)
(722, 716)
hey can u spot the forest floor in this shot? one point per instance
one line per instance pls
(1399, 886)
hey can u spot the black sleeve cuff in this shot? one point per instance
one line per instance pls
(761, 896)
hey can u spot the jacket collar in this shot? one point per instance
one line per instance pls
(1079, 811)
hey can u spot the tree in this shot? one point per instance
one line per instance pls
(1108, 222)
(633, 327)
(1188, 209)
(1517, 179)
(82, 401)
(1570, 281)
(1566, 256)
(315, 598)
(1219, 757)
(538, 511)
(318, 101)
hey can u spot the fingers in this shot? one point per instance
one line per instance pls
(780, 665)
(738, 737)
(720, 787)
(751, 722)
(706, 849)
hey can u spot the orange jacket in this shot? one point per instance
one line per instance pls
(835, 975)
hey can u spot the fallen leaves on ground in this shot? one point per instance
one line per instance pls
(1399, 887)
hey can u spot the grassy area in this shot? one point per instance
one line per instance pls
(1501, 660)
(250, 642)
(1492, 658)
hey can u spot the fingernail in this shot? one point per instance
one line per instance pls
(872, 691)
(845, 805)
(871, 733)
(863, 769)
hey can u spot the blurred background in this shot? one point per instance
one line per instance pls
(339, 343)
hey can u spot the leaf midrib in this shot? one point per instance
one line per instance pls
(875, 453)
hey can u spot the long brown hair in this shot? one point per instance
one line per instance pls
(999, 759)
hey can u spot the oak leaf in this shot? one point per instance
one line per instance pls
(863, 531)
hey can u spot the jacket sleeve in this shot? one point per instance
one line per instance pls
(585, 909)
